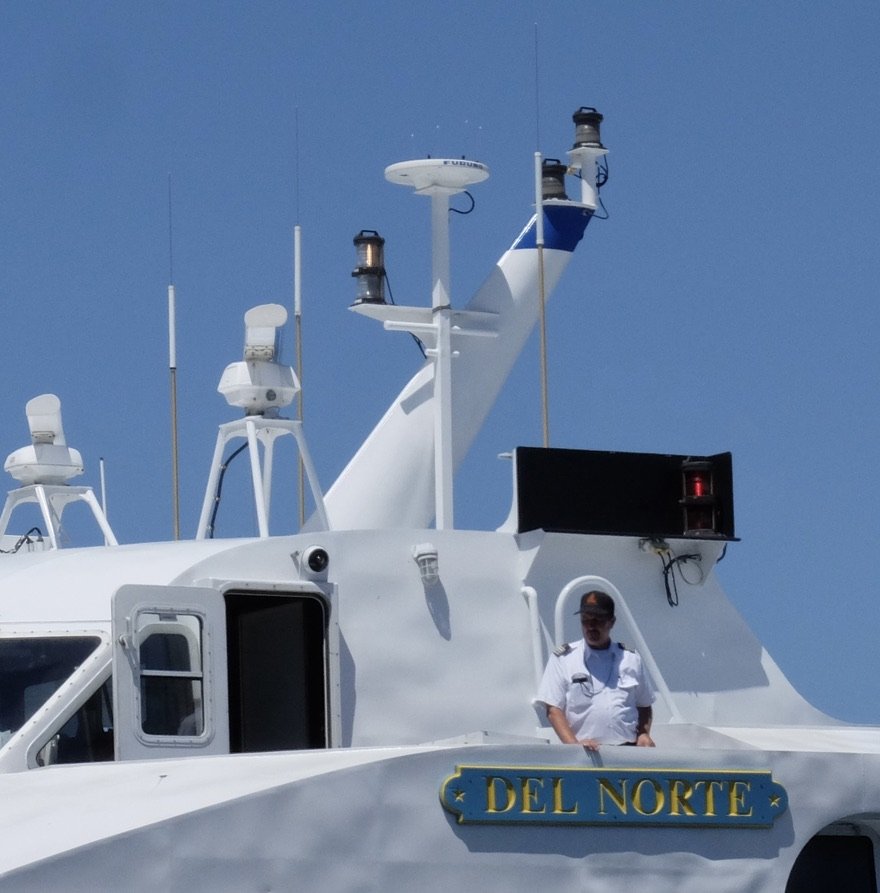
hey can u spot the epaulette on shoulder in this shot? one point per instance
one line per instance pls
(562, 650)
(623, 647)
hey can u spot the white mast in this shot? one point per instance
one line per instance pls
(438, 178)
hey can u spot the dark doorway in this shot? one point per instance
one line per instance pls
(834, 863)
(277, 672)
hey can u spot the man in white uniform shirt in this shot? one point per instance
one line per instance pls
(595, 690)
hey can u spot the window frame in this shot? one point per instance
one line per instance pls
(170, 623)
(19, 753)
(138, 635)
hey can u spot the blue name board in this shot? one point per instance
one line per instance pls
(602, 796)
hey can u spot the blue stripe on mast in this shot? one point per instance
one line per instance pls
(564, 227)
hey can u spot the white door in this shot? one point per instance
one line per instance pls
(169, 672)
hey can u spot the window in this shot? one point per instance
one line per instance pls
(32, 669)
(171, 676)
(87, 737)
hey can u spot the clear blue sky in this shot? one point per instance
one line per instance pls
(729, 303)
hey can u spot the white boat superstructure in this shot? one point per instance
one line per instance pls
(351, 707)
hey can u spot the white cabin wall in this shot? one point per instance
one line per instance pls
(428, 663)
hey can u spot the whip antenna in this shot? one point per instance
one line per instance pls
(297, 316)
(297, 328)
(172, 370)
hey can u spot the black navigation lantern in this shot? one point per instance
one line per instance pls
(587, 122)
(698, 500)
(370, 270)
(553, 179)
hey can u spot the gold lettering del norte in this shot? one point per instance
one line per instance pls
(603, 796)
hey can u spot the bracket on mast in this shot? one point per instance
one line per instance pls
(257, 430)
(52, 500)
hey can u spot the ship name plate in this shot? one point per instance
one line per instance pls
(725, 798)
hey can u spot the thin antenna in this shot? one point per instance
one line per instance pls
(296, 161)
(172, 369)
(537, 95)
(539, 243)
(297, 316)
(297, 326)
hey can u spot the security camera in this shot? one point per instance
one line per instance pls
(314, 561)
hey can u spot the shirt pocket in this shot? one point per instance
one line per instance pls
(628, 681)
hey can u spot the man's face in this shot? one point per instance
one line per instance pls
(597, 630)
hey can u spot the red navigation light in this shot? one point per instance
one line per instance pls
(698, 498)
(695, 483)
